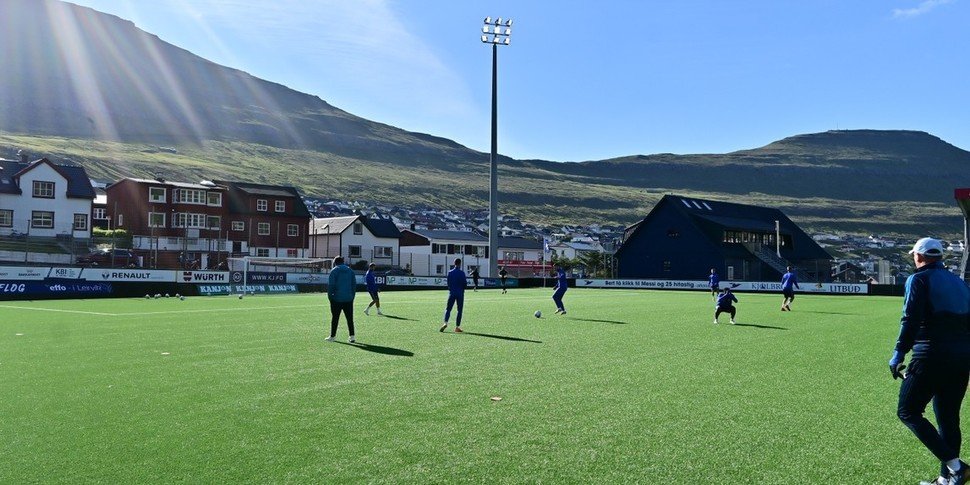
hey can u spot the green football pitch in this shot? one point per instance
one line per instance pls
(629, 386)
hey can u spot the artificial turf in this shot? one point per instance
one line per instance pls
(629, 386)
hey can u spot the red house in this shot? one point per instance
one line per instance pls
(189, 225)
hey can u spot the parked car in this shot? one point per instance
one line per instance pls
(117, 258)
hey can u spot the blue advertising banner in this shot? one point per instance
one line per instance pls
(54, 288)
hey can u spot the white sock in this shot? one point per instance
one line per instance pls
(953, 465)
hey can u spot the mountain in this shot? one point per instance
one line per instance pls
(93, 88)
(74, 71)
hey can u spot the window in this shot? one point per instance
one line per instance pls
(121, 220)
(213, 222)
(238, 226)
(514, 255)
(42, 219)
(281, 206)
(6, 218)
(383, 252)
(156, 219)
(262, 229)
(262, 252)
(262, 205)
(43, 190)
(80, 222)
(439, 269)
(437, 248)
(173, 241)
(358, 228)
(186, 219)
(354, 251)
(291, 253)
(292, 230)
(190, 196)
(100, 213)
(213, 199)
(156, 194)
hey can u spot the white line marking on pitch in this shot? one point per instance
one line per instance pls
(57, 311)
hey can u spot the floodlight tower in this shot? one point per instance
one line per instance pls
(496, 32)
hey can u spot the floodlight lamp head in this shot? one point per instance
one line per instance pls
(508, 22)
(488, 20)
(507, 40)
(484, 38)
(484, 29)
(498, 21)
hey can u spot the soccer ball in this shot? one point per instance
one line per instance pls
(538, 314)
(182, 298)
(166, 295)
(241, 295)
(147, 296)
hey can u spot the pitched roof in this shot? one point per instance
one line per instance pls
(519, 243)
(331, 225)
(452, 235)
(384, 228)
(78, 182)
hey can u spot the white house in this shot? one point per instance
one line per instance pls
(573, 250)
(45, 199)
(356, 238)
(432, 253)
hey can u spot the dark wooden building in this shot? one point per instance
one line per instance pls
(682, 238)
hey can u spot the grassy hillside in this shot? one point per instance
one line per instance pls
(539, 192)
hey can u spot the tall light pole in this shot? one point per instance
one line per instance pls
(496, 32)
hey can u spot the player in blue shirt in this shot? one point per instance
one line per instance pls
(788, 285)
(934, 325)
(341, 288)
(725, 303)
(457, 282)
(714, 282)
(562, 284)
(375, 299)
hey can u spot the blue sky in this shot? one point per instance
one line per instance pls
(587, 80)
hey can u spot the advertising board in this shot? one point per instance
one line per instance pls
(142, 275)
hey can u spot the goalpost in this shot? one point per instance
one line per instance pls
(248, 264)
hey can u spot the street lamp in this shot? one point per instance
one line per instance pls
(496, 32)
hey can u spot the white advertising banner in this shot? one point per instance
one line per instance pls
(759, 286)
(306, 278)
(146, 275)
(17, 273)
(415, 281)
(65, 273)
(203, 277)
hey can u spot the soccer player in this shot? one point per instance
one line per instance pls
(375, 299)
(936, 307)
(714, 281)
(457, 282)
(561, 285)
(503, 274)
(788, 285)
(341, 286)
(725, 303)
(475, 278)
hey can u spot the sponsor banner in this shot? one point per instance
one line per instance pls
(209, 290)
(759, 286)
(23, 273)
(306, 278)
(203, 277)
(145, 275)
(416, 281)
(35, 288)
(257, 277)
(65, 273)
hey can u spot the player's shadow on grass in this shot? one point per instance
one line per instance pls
(393, 317)
(615, 322)
(377, 349)
(766, 327)
(503, 337)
